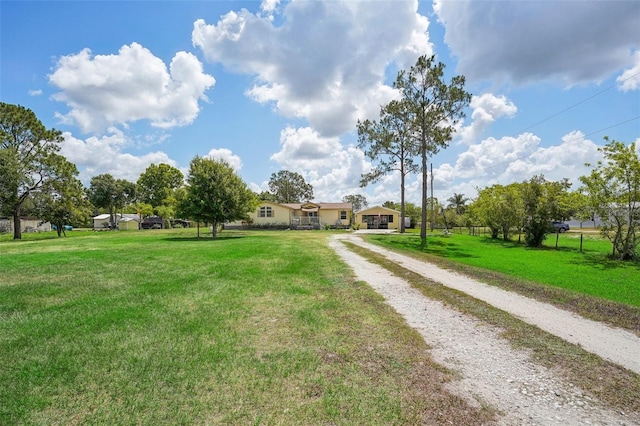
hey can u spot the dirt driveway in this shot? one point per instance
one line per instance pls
(492, 371)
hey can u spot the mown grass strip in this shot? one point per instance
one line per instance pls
(606, 381)
(161, 327)
(611, 294)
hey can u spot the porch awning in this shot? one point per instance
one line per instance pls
(310, 209)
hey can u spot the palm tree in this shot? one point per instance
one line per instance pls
(457, 202)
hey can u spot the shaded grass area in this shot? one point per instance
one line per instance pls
(606, 381)
(586, 283)
(161, 327)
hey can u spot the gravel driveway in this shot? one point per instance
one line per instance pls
(492, 371)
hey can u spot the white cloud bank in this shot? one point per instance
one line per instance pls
(132, 85)
(332, 170)
(326, 62)
(104, 154)
(528, 41)
(227, 155)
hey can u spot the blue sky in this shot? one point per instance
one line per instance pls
(277, 85)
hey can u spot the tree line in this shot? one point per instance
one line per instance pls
(422, 121)
(611, 193)
(35, 179)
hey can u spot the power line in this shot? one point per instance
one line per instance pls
(570, 140)
(577, 103)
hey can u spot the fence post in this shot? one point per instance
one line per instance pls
(581, 242)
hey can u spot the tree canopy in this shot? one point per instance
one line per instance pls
(157, 185)
(613, 188)
(63, 201)
(109, 193)
(432, 109)
(215, 194)
(28, 159)
(289, 187)
(500, 208)
(388, 143)
(358, 201)
(543, 203)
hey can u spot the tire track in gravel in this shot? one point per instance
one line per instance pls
(613, 344)
(492, 371)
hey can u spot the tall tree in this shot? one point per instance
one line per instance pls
(63, 202)
(289, 187)
(458, 202)
(28, 158)
(104, 193)
(433, 109)
(542, 204)
(358, 202)
(157, 184)
(126, 194)
(388, 143)
(613, 188)
(500, 208)
(215, 194)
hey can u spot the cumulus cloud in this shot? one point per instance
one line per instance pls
(105, 154)
(324, 162)
(325, 62)
(524, 41)
(268, 7)
(226, 155)
(630, 78)
(132, 85)
(487, 108)
(516, 159)
(35, 92)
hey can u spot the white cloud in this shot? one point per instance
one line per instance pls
(104, 154)
(332, 169)
(515, 159)
(326, 62)
(487, 108)
(524, 41)
(36, 92)
(268, 7)
(132, 85)
(630, 78)
(227, 155)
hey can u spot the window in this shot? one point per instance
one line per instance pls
(343, 215)
(265, 211)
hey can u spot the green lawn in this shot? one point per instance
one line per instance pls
(589, 272)
(160, 327)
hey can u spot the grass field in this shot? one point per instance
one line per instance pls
(589, 272)
(160, 327)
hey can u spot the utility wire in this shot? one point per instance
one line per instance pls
(567, 109)
(570, 140)
(578, 103)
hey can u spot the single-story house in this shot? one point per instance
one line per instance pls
(298, 215)
(128, 220)
(27, 224)
(378, 218)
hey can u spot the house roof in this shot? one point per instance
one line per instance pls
(130, 219)
(317, 206)
(376, 209)
(130, 216)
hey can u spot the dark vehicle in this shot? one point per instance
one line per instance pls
(179, 223)
(560, 226)
(153, 222)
